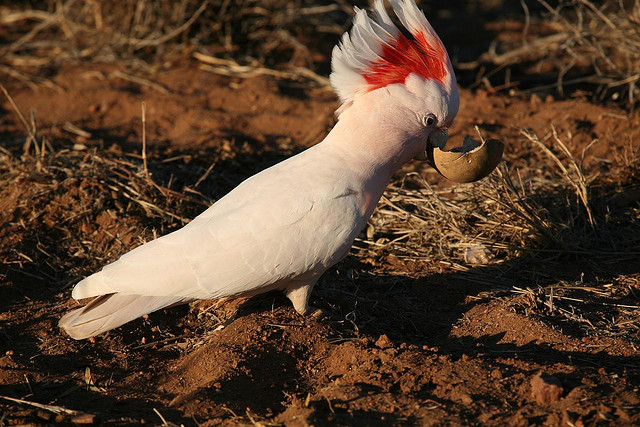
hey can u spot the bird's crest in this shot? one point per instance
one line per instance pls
(377, 54)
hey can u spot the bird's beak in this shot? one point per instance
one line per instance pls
(437, 139)
(470, 162)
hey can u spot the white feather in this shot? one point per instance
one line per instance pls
(383, 19)
(252, 239)
(356, 52)
(111, 311)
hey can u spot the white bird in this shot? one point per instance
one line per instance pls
(285, 226)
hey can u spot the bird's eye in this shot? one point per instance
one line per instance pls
(430, 120)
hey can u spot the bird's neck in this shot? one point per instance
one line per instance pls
(372, 144)
(373, 141)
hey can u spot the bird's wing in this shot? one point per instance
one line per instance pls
(265, 232)
(220, 256)
(110, 311)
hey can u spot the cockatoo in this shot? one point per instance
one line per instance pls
(285, 226)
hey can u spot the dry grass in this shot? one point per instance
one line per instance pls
(75, 209)
(105, 189)
(577, 42)
(69, 209)
(603, 40)
(595, 310)
(145, 34)
(553, 213)
(592, 44)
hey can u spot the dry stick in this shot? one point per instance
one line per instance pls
(140, 81)
(34, 130)
(23, 15)
(527, 22)
(153, 207)
(600, 14)
(205, 175)
(230, 67)
(71, 128)
(31, 34)
(18, 76)
(253, 421)
(29, 79)
(32, 61)
(52, 408)
(539, 46)
(146, 170)
(48, 19)
(164, 341)
(164, 422)
(139, 44)
(144, 138)
(32, 137)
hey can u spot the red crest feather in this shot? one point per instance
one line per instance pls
(404, 57)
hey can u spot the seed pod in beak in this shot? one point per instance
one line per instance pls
(471, 162)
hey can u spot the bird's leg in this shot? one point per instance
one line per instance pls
(299, 296)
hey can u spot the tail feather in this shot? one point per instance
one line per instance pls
(110, 311)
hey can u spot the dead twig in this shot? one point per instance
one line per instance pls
(229, 67)
(51, 408)
(144, 138)
(140, 44)
(140, 81)
(579, 182)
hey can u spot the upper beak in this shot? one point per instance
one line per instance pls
(437, 139)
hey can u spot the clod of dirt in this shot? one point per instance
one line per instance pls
(496, 374)
(384, 342)
(546, 389)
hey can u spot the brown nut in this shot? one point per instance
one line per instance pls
(471, 162)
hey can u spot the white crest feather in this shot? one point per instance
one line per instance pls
(357, 51)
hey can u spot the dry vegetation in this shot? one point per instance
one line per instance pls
(526, 233)
(575, 44)
(141, 33)
(578, 44)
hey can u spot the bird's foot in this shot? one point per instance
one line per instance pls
(299, 296)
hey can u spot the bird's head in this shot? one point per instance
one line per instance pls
(403, 76)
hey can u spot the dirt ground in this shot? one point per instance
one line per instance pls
(407, 340)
